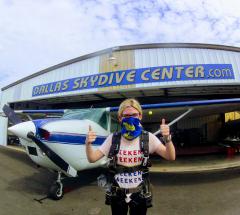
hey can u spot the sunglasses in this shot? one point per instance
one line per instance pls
(130, 115)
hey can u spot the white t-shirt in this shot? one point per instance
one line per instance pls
(130, 155)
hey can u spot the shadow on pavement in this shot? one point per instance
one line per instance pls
(194, 178)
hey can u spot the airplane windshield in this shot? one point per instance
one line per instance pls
(98, 115)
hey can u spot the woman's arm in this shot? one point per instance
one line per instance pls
(92, 155)
(167, 151)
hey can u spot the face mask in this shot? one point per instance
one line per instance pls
(131, 128)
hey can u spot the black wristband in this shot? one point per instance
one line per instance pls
(167, 139)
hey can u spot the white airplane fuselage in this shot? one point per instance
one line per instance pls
(65, 137)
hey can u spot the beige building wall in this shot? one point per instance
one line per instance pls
(117, 61)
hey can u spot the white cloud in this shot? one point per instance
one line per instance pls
(38, 34)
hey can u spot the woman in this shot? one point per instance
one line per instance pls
(128, 151)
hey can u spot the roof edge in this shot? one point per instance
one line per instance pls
(126, 47)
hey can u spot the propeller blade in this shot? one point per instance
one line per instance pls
(12, 116)
(55, 158)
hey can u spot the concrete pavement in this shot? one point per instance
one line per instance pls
(209, 193)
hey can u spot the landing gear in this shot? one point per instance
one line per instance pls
(56, 190)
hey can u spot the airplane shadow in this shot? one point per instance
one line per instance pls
(37, 183)
(17, 155)
(33, 180)
(41, 180)
(85, 177)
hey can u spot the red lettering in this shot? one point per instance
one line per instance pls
(139, 152)
(134, 152)
(139, 159)
(120, 152)
(124, 152)
(135, 160)
(121, 160)
(125, 160)
(130, 160)
(130, 153)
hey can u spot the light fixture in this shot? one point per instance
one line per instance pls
(111, 58)
(150, 112)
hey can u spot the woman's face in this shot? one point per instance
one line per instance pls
(130, 112)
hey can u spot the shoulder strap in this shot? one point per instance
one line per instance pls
(114, 149)
(144, 145)
(144, 141)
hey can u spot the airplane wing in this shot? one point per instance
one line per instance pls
(171, 110)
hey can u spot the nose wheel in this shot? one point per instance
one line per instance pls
(56, 190)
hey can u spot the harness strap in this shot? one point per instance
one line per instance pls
(114, 149)
(144, 146)
(116, 138)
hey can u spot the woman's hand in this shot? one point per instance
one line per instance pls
(91, 136)
(165, 130)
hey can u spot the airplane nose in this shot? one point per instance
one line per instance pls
(21, 130)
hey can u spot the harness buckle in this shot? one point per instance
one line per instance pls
(127, 190)
(145, 160)
(112, 162)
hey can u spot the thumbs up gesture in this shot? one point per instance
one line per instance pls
(91, 135)
(165, 131)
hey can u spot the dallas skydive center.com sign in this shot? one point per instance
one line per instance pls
(138, 76)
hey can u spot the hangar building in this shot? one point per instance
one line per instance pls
(152, 73)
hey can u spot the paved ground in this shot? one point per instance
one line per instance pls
(206, 193)
(196, 163)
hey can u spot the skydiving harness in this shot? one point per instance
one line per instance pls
(113, 168)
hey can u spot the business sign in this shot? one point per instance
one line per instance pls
(138, 76)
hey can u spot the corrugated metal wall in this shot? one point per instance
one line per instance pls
(23, 91)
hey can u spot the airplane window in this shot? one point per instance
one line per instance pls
(98, 115)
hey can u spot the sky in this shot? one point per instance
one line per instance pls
(37, 34)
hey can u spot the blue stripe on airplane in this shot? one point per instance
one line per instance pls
(73, 140)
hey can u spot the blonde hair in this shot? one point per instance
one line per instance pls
(129, 103)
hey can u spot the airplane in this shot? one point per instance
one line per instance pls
(58, 144)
